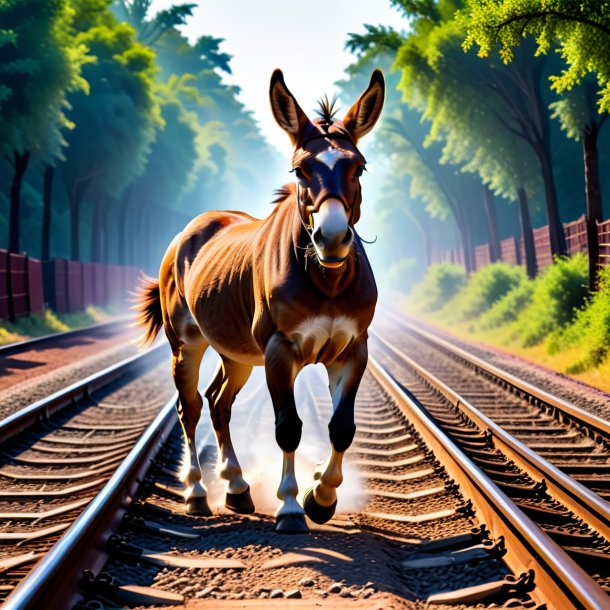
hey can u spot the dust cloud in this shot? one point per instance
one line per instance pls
(253, 434)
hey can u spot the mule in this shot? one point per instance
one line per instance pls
(293, 289)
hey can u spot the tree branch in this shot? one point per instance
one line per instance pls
(551, 13)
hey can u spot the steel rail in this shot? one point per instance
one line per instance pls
(560, 582)
(594, 423)
(28, 344)
(583, 502)
(42, 409)
(53, 583)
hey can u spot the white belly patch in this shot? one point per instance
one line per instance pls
(333, 334)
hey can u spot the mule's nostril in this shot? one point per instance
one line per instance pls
(318, 238)
(349, 237)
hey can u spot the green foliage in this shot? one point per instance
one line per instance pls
(581, 28)
(39, 64)
(508, 308)
(484, 288)
(558, 293)
(576, 110)
(48, 322)
(441, 283)
(116, 122)
(590, 329)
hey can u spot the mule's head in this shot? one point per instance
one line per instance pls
(328, 164)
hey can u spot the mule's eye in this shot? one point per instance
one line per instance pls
(298, 172)
(359, 171)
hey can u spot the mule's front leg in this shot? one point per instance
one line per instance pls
(281, 368)
(344, 379)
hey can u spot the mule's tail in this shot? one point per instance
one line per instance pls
(148, 308)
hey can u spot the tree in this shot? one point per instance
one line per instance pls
(456, 92)
(39, 64)
(579, 118)
(170, 171)
(115, 124)
(453, 88)
(149, 30)
(582, 30)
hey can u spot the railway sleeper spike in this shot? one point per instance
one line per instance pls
(467, 509)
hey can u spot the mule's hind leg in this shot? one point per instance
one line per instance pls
(321, 500)
(228, 381)
(185, 369)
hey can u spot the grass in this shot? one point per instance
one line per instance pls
(47, 323)
(551, 320)
(504, 338)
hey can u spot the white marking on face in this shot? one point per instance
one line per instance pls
(313, 333)
(330, 157)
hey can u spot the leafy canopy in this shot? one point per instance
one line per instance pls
(581, 28)
(40, 63)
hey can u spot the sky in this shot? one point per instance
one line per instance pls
(304, 39)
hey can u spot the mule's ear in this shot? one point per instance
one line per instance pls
(363, 115)
(285, 108)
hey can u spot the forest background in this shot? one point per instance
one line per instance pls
(117, 129)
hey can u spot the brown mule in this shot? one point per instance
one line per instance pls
(293, 289)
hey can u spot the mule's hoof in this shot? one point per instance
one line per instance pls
(317, 513)
(198, 506)
(240, 503)
(291, 524)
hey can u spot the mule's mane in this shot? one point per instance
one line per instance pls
(283, 193)
(327, 110)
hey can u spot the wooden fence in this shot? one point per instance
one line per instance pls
(27, 285)
(512, 250)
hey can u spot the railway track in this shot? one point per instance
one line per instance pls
(32, 369)
(57, 453)
(62, 338)
(574, 440)
(436, 525)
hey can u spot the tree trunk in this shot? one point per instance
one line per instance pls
(47, 195)
(594, 200)
(107, 232)
(97, 230)
(527, 233)
(556, 231)
(74, 227)
(465, 236)
(122, 231)
(492, 224)
(20, 164)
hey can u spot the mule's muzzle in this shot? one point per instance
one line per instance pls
(332, 236)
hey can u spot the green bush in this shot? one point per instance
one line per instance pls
(47, 323)
(484, 288)
(590, 329)
(507, 308)
(558, 294)
(441, 282)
